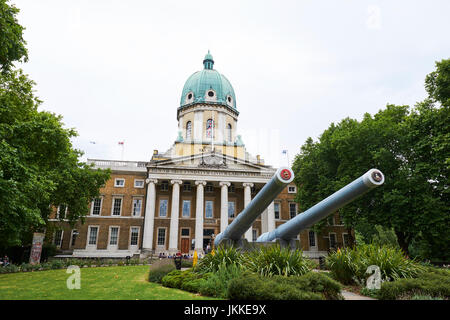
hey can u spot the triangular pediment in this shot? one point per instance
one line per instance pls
(212, 160)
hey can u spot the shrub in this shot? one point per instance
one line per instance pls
(251, 286)
(349, 265)
(216, 285)
(316, 282)
(221, 255)
(434, 284)
(273, 260)
(157, 272)
(57, 264)
(11, 268)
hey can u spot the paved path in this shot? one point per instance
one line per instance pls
(353, 296)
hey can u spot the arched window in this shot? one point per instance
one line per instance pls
(188, 130)
(229, 133)
(209, 128)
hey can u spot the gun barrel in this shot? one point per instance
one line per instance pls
(265, 196)
(289, 230)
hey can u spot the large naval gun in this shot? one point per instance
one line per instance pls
(287, 233)
(233, 233)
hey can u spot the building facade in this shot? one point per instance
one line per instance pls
(182, 198)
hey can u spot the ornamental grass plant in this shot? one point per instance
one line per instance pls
(274, 260)
(220, 256)
(349, 265)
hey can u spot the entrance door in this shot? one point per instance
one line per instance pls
(185, 242)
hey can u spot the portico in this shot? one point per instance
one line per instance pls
(200, 197)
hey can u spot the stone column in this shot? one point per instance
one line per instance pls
(264, 221)
(174, 216)
(247, 199)
(224, 205)
(271, 217)
(147, 242)
(199, 217)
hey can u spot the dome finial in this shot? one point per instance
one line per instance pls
(208, 61)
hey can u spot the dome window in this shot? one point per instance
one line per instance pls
(189, 98)
(210, 95)
(229, 101)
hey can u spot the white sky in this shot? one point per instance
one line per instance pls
(115, 69)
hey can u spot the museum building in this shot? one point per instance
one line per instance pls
(183, 197)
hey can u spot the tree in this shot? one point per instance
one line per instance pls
(12, 44)
(39, 168)
(411, 146)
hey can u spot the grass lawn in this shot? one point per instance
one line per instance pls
(101, 283)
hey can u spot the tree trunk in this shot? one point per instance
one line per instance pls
(403, 241)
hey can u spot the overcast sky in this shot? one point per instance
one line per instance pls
(115, 69)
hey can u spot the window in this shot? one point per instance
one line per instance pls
(332, 237)
(229, 133)
(209, 128)
(330, 220)
(161, 237)
(186, 210)
(209, 209)
(189, 130)
(209, 187)
(276, 209)
(113, 236)
(73, 238)
(292, 189)
(231, 209)
(119, 182)
(292, 209)
(164, 186)
(312, 238)
(92, 241)
(96, 206)
(232, 188)
(185, 232)
(137, 207)
(186, 186)
(163, 207)
(117, 206)
(345, 239)
(134, 237)
(254, 235)
(138, 183)
(61, 212)
(57, 241)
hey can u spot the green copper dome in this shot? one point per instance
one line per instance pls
(208, 86)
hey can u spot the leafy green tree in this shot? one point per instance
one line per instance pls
(12, 44)
(39, 168)
(411, 146)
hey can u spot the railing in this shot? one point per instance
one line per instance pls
(117, 163)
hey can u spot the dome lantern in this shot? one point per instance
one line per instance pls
(208, 61)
